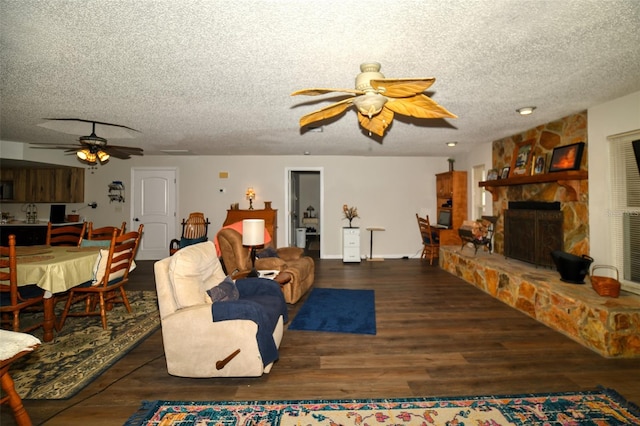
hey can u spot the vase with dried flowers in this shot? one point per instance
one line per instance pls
(350, 213)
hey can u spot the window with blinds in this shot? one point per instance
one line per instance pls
(625, 208)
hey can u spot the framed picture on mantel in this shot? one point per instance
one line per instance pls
(522, 158)
(566, 157)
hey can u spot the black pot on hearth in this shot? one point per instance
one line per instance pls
(572, 268)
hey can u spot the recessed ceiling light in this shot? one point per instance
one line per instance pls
(525, 110)
(307, 153)
(452, 143)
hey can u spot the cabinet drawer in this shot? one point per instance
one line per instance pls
(351, 254)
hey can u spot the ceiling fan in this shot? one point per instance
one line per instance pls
(377, 98)
(92, 148)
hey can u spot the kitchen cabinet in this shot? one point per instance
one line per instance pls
(45, 185)
(26, 235)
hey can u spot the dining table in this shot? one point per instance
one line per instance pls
(56, 270)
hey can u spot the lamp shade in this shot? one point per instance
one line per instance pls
(253, 232)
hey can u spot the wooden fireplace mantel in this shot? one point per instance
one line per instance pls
(570, 180)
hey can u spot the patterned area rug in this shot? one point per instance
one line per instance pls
(603, 407)
(83, 349)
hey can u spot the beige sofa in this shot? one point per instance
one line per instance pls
(195, 345)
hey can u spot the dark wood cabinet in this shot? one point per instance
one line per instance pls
(45, 184)
(26, 235)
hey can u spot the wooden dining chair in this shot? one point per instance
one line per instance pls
(17, 345)
(14, 299)
(430, 239)
(112, 274)
(65, 235)
(105, 232)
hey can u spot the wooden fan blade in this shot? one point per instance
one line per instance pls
(121, 154)
(420, 106)
(326, 112)
(401, 87)
(130, 149)
(316, 92)
(378, 123)
(78, 126)
(67, 147)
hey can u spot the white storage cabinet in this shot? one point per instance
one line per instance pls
(351, 244)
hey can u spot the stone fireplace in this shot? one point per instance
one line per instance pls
(571, 197)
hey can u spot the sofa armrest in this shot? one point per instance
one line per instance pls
(290, 253)
(271, 263)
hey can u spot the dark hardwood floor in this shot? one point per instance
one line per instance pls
(436, 336)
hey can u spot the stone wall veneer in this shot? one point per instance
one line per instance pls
(566, 131)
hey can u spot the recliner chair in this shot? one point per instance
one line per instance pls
(196, 345)
(235, 256)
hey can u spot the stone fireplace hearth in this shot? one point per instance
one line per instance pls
(608, 326)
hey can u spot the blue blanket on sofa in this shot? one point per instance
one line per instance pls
(262, 302)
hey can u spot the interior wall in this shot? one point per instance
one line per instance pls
(610, 118)
(388, 192)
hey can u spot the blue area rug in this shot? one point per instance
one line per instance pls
(591, 408)
(337, 310)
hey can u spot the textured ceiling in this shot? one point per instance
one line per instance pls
(215, 77)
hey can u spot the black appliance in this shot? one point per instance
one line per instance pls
(57, 213)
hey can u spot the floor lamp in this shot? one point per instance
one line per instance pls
(253, 236)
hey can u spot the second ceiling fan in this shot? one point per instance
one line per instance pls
(377, 98)
(92, 148)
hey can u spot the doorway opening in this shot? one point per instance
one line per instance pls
(305, 201)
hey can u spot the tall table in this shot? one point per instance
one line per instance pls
(56, 270)
(371, 229)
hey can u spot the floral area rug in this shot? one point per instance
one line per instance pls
(601, 407)
(83, 350)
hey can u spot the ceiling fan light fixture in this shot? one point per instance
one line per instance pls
(92, 139)
(526, 110)
(103, 156)
(370, 104)
(86, 155)
(83, 154)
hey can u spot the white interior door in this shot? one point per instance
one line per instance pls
(154, 205)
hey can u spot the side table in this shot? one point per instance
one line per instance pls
(371, 258)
